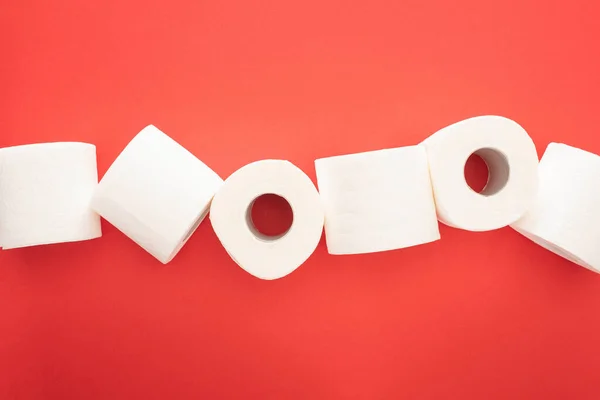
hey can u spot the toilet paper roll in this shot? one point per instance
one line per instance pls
(156, 192)
(376, 201)
(565, 217)
(45, 193)
(512, 162)
(267, 257)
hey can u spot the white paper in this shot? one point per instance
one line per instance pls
(565, 217)
(377, 201)
(512, 162)
(263, 256)
(45, 193)
(156, 192)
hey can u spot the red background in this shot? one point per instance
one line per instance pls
(473, 316)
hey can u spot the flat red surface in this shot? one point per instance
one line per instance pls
(473, 316)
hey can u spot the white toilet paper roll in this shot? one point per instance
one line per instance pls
(267, 257)
(512, 162)
(565, 217)
(156, 192)
(376, 201)
(45, 193)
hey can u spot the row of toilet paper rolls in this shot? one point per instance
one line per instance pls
(157, 193)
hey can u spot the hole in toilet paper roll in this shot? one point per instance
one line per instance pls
(487, 171)
(269, 217)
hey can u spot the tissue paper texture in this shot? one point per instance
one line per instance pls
(376, 201)
(45, 193)
(156, 192)
(565, 217)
